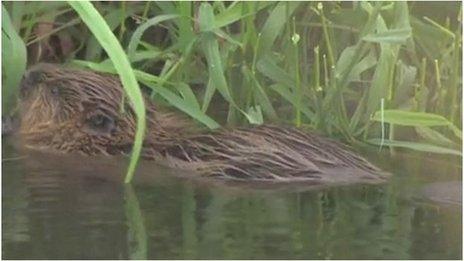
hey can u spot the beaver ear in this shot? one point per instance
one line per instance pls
(100, 124)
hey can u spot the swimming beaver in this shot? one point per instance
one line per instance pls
(73, 110)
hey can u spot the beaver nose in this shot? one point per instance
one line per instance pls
(30, 79)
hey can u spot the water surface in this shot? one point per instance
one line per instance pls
(73, 207)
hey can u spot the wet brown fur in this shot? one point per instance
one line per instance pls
(61, 107)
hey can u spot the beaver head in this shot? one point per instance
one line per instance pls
(74, 110)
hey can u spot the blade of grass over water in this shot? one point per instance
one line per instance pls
(415, 146)
(423, 119)
(110, 43)
(136, 226)
(408, 118)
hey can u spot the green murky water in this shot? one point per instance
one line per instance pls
(76, 207)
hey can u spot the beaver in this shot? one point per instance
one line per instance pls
(66, 110)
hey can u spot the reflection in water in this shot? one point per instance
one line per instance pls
(57, 207)
(137, 235)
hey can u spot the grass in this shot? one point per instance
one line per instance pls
(323, 66)
(13, 55)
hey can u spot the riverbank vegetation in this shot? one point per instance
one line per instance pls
(384, 73)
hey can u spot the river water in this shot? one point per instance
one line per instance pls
(75, 207)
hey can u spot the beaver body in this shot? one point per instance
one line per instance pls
(71, 110)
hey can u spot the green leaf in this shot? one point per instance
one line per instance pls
(404, 83)
(286, 93)
(435, 137)
(394, 36)
(274, 24)
(137, 35)
(184, 23)
(383, 75)
(113, 18)
(215, 67)
(188, 95)
(206, 17)
(432, 40)
(17, 12)
(409, 118)
(14, 59)
(366, 63)
(346, 60)
(183, 105)
(210, 90)
(151, 55)
(235, 12)
(107, 67)
(269, 68)
(260, 94)
(415, 146)
(138, 238)
(254, 115)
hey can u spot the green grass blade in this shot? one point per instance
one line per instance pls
(188, 95)
(235, 12)
(211, 51)
(269, 68)
(419, 119)
(107, 67)
(137, 35)
(355, 70)
(206, 18)
(415, 146)
(383, 75)
(151, 55)
(109, 42)
(93, 49)
(210, 90)
(194, 111)
(260, 94)
(409, 118)
(14, 58)
(435, 137)
(394, 36)
(274, 25)
(285, 92)
(17, 12)
(138, 239)
(254, 115)
(215, 68)
(184, 23)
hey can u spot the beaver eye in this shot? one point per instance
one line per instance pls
(101, 123)
(55, 91)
